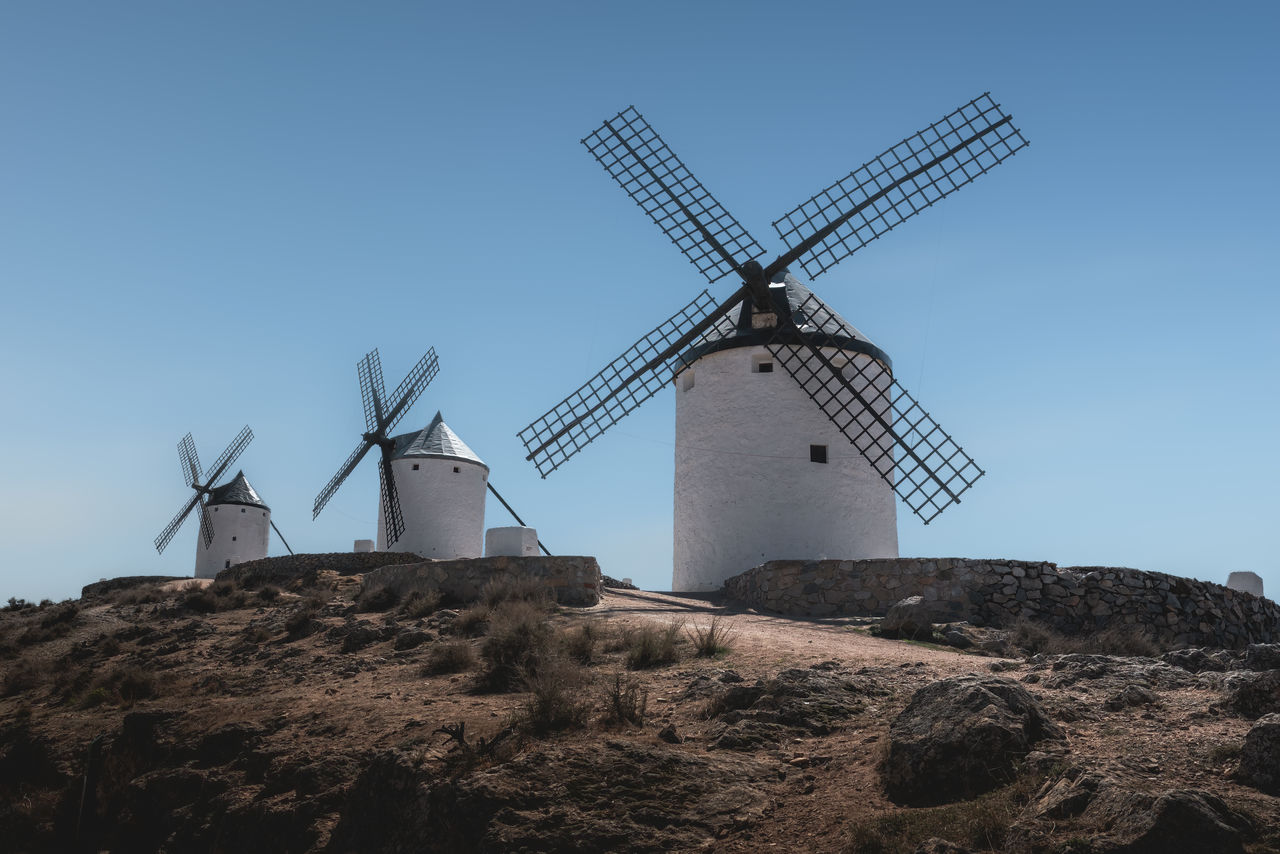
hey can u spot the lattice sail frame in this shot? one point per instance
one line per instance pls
(901, 182)
(612, 394)
(901, 441)
(381, 419)
(657, 180)
(189, 460)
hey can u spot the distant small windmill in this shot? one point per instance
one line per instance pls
(442, 480)
(225, 539)
(742, 494)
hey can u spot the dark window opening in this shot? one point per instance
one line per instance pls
(456, 469)
(415, 466)
(233, 539)
(766, 367)
(227, 565)
(241, 509)
(215, 510)
(817, 453)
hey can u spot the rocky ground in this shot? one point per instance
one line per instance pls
(180, 718)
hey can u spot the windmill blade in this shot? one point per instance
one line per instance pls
(392, 518)
(412, 387)
(332, 486)
(167, 534)
(655, 178)
(901, 182)
(372, 391)
(621, 386)
(206, 524)
(229, 456)
(923, 464)
(189, 460)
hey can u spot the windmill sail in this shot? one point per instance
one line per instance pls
(658, 181)
(901, 441)
(900, 183)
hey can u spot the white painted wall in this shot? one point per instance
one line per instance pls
(443, 509)
(240, 533)
(745, 489)
(512, 540)
(362, 546)
(1247, 582)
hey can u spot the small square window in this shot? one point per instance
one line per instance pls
(456, 469)
(233, 539)
(241, 509)
(415, 466)
(765, 368)
(817, 453)
(215, 510)
(227, 565)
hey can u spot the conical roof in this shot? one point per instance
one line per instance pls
(436, 440)
(237, 491)
(735, 329)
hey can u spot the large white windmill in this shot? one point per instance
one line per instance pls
(771, 467)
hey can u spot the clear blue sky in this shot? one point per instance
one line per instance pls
(209, 212)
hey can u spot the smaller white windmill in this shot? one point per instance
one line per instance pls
(234, 520)
(432, 486)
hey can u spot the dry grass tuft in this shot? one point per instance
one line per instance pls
(513, 588)
(517, 645)
(419, 604)
(554, 701)
(650, 646)
(713, 639)
(625, 701)
(580, 643)
(449, 657)
(382, 599)
(1037, 638)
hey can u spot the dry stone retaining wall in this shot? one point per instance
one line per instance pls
(288, 567)
(1073, 600)
(574, 580)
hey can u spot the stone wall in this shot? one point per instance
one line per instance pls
(574, 580)
(1073, 600)
(124, 582)
(272, 570)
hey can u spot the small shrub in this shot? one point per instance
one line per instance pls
(1036, 638)
(521, 588)
(24, 675)
(981, 823)
(625, 701)
(580, 643)
(132, 683)
(650, 646)
(420, 604)
(517, 644)
(268, 593)
(94, 698)
(449, 657)
(382, 599)
(713, 639)
(301, 623)
(1224, 752)
(144, 595)
(553, 703)
(256, 634)
(16, 604)
(472, 622)
(198, 599)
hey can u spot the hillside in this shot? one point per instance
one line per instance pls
(219, 718)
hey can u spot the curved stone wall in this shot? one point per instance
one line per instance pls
(290, 567)
(1180, 611)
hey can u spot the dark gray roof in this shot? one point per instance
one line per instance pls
(236, 491)
(734, 329)
(436, 440)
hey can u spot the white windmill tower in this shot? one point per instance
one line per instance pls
(772, 467)
(234, 520)
(432, 490)
(441, 483)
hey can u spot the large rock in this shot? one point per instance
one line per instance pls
(1252, 695)
(1262, 656)
(1260, 756)
(1102, 814)
(910, 618)
(960, 737)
